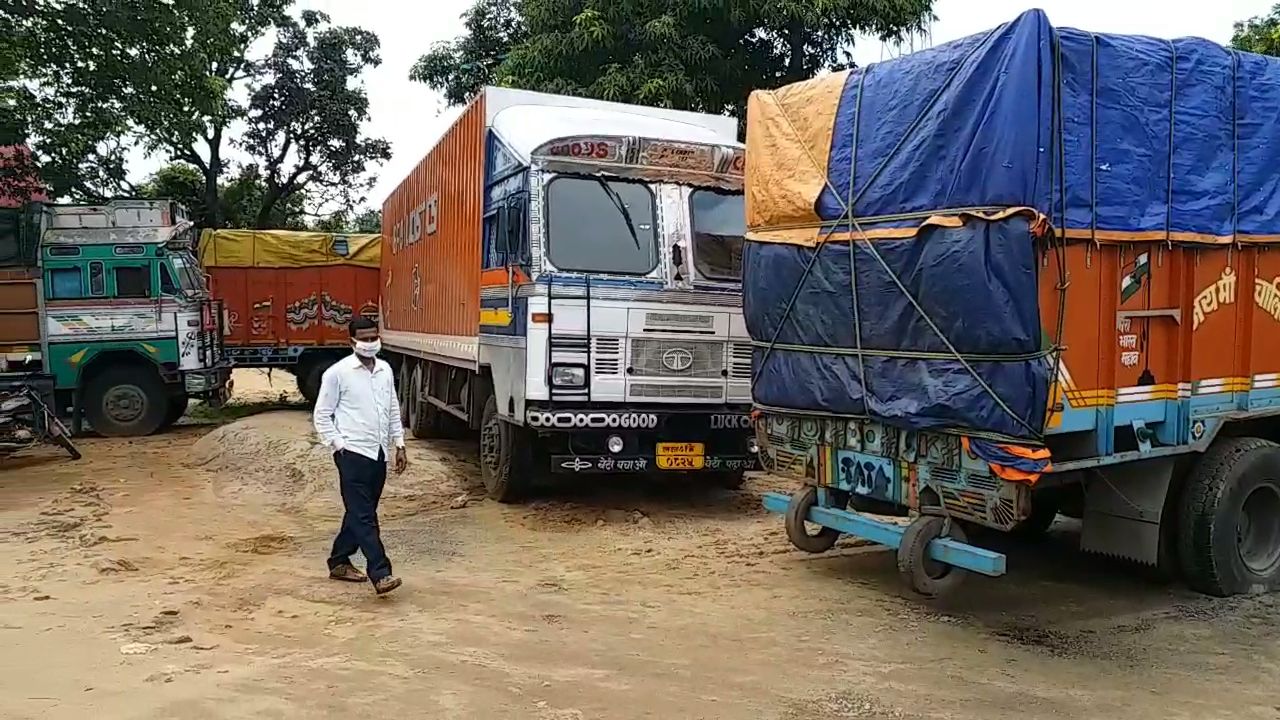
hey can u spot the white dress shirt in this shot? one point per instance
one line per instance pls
(357, 409)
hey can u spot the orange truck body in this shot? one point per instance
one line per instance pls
(431, 270)
(289, 296)
(1202, 327)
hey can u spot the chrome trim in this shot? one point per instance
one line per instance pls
(625, 294)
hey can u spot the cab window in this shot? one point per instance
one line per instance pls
(168, 286)
(97, 279)
(133, 281)
(65, 284)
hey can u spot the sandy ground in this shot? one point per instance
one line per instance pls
(182, 576)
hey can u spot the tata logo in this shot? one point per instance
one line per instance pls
(677, 359)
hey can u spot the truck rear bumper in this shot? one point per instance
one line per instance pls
(945, 550)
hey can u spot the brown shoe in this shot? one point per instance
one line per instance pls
(387, 584)
(347, 573)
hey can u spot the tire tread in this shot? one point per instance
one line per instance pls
(1197, 517)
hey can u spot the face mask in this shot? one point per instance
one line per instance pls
(368, 349)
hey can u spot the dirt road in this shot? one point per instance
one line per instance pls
(182, 577)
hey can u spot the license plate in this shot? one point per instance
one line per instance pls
(681, 456)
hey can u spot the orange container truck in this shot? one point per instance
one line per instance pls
(563, 276)
(1027, 272)
(289, 296)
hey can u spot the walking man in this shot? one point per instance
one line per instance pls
(358, 416)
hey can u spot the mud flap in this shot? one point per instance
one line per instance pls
(1123, 509)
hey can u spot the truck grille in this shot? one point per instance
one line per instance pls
(679, 322)
(677, 358)
(607, 358)
(653, 391)
(740, 361)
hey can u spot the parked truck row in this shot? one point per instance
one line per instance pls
(1021, 274)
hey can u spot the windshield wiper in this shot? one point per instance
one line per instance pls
(616, 199)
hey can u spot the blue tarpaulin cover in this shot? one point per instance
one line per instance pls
(949, 158)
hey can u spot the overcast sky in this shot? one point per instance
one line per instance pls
(411, 116)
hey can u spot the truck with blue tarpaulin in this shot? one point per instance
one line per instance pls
(1025, 273)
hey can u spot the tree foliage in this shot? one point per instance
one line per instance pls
(305, 119)
(88, 81)
(461, 66)
(703, 55)
(1259, 34)
(240, 198)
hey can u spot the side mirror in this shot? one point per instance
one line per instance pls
(510, 228)
(502, 239)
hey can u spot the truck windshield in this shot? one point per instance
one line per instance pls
(719, 222)
(598, 225)
(189, 278)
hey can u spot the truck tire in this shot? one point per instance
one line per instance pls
(178, 405)
(310, 375)
(425, 420)
(402, 388)
(794, 519)
(506, 456)
(1044, 510)
(926, 576)
(126, 401)
(1229, 519)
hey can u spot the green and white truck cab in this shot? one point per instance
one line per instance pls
(131, 331)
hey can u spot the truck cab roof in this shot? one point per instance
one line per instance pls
(133, 222)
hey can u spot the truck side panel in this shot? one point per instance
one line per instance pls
(431, 241)
(19, 311)
(1163, 336)
(298, 307)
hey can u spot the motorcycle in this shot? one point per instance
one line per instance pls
(27, 420)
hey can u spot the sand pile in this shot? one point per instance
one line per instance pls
(276, 457)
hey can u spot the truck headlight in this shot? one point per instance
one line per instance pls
(568, 376)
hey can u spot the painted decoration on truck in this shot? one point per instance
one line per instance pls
(1266, 295)
(318, 308)
(1219, 292)
(1132, 276)
(109, 323)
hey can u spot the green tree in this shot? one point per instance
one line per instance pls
(86, 81)
(461, 66)
(369, 221)
(305, 119)
(1259, 34)
(240, 198)
(703, 55)
(71, 73)
(180, 182)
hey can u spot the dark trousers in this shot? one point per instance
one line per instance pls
(361, 481)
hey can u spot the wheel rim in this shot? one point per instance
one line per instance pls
(490, 442)
(124, 404)
(1258, 530)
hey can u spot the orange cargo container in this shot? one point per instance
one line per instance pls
(431, 274)
(290, 295)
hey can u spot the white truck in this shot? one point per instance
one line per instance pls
(563, 275)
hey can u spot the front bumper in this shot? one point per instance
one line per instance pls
(212, 385)
(613, 464)
(641, 439)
